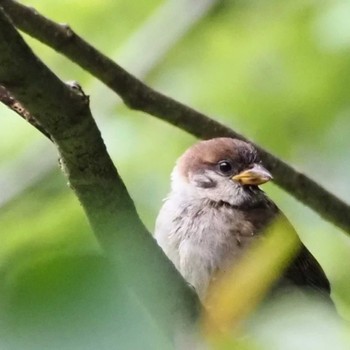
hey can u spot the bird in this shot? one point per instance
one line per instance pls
(216, 209)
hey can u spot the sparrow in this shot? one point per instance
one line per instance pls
(215, 210)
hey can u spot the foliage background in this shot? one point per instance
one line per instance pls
(278, 72)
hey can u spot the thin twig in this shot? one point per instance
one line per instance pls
(7, 99)
(139, 96)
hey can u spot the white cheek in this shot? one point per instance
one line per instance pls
(225, 189)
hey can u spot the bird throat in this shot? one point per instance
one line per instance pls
(255, 199)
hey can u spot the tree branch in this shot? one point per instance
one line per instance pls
(65, 115)
(7, 99)
(139, 96)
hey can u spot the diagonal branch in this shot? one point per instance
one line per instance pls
(64, 113)
(189, 13)
(139, 96)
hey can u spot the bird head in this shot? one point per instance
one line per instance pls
(220, 170)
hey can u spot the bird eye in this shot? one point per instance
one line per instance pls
(225, 167)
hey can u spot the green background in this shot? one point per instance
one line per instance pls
(277, 72)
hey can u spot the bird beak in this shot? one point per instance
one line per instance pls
(257, 175)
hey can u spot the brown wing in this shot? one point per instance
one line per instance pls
(304, 270)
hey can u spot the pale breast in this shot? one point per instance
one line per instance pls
(202, 238)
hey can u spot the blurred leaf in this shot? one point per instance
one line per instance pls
(238, 291)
